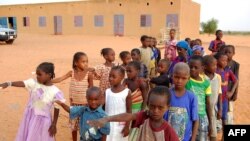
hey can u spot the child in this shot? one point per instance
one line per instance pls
(136, 56)
(102, 71)
(163, 79)
(188, 40)
(170, 47)
(81, 79)
(210, 65)
(126, 58)
(183, 112)
(89, 112)
(234, 66)
(158, 56)
(198, 50)
(152, 127)
(146, 52)
(198, 42)
(214, 44)
(226, 76)
(139, 89)
(202, 89)
(153, 62)
(37, 124)
(118, 100)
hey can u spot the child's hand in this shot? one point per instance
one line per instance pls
(210, 130)
(3, 85)
(219, 114)
(234, 97)
(125, 131)
(229, 94)
(52, 130)
(97, 123)
(59, 102)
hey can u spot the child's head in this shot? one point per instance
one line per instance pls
(181, 74)
(158, 102)
(45, 72)
(136, 54)
(221, 47)
(145, 40)
(198, 50)
(154, 42)
(133, 69)
(163, 66)
(108, 54)
(195, 65)
(219, 34)
(80, 61)
(188, 40)
(198, 42)
(182, 47)
(125, 57)
(172, 33)
(193, 43)
(210, 64)
(151, 42)
(116, 75)
(229, 51)
(222, 59)
(93, 95)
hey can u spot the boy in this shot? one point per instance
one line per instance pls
(152, 126)
(90, 112)
(163, 79)
(214, 44)
(183, 112)
(210, 65)
(202, 89)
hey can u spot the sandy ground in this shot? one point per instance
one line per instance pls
(18, 61)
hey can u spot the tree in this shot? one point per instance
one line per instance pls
(210, 26)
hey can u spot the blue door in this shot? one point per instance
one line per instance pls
(57, 25)
(14, 23)
(4, 22)
(118, 25)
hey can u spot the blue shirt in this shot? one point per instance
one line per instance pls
(85, 114)
(181, 114)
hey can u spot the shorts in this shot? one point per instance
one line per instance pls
(203, 128)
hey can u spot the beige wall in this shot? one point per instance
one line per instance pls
(131, 9)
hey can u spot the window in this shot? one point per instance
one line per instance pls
(78, 21)
(42, 21)
(26, 21)
(145, 20)
(98, 20)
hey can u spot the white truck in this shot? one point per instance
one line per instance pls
(7, 35)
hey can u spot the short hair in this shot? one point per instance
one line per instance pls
(136, 50)
(135, 64)
(181, 67)
(172, 29)
(144, 37)
(208, 59)
(161, 91)
(105, 51)
(76, 57)
(187, 39)
(165, 61)
(231, 46)
(124, 54)
(48, 68)
(93, 89)
(119, 69)
(219, 55)
(196, 58)
(218, 31)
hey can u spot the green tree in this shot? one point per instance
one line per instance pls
(210, 26)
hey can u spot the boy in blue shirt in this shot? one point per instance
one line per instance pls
(90, 112)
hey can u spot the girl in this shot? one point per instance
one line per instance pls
(126, 58)
(81, 80)
(37, 124)
(214, 44)
(118, 100)
(170, 47)
(102, 71)
(136, 56)
(198, 50)
(139, 89)
(152, 126)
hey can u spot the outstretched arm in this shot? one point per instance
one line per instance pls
(63, 105)
(52, 129)
(60, 79)
(90, 79)
(125, 130)
(14, 84)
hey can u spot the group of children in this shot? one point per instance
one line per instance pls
(145, 98)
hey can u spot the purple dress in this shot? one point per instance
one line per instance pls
(37, 116)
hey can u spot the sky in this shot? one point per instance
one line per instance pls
(233, 15)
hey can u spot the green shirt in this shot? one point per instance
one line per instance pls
(201, 89)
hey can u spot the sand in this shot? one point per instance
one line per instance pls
(19, 61)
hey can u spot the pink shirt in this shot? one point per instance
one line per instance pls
(170, 50)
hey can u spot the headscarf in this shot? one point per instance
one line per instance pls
(183, 44)
(199, 48)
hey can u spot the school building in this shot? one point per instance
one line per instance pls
(105, 17)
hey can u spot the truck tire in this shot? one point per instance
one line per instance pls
(9, 42)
